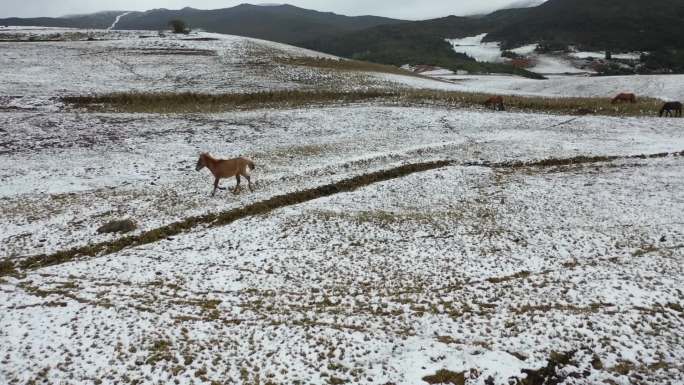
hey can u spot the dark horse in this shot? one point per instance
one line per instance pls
(672, 109)
(496, 103)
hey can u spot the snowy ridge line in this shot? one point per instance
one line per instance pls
(9, 267)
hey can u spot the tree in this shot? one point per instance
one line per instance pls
(179, 26)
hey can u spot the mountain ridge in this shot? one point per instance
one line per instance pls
(283, 23)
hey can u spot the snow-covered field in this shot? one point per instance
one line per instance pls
(665, 87)
(35, 73)
(98, 167)
(492, 273)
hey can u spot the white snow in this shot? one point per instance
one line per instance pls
(438, 72)
(117, 20)
(478, 270)
(123, 61)
(526, 49)
(474, 47)
(458, 268)
(490, 52)
(665, 87)
(602, 55)
(552, 65)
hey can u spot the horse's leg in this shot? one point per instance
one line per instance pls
(249, 182)
(216, 182)
(237, 186)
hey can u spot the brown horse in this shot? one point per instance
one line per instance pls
(496, 103)
(672, 109)
(624, 98)
(226, 168)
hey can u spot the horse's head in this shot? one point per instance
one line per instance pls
(201, 162)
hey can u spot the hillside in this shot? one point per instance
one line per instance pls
(419, 42)
(370, 38)
(281, 23)
(98, 20)
(629, 25)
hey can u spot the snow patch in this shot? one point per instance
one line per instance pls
(116, 21)
(602, 55)
(474, 47)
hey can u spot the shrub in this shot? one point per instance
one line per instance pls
(123, 226)
(179, 26)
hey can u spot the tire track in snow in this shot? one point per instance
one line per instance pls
(10, 266)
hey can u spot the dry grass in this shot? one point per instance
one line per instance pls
(569, 106)
(549, 374)
(6, 268)
(388, 217)
(516, 276)
(580, 160)
(207, 103)
(196, 103)
(444, 376)
(306, 150)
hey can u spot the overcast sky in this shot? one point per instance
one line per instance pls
(404, 9)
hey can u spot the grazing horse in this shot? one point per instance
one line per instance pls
(226, 168)
(671, 109)
(496, 103)
(624, 97)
